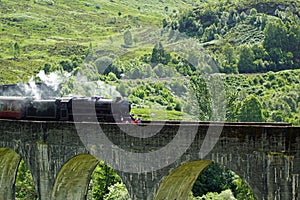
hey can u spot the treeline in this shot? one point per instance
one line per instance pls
(244, 39)
(276, 96)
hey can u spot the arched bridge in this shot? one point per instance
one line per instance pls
(162, 164)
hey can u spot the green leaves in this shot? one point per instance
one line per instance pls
(246, 60)
(159, 55)
(251, 110)
(102, 179)
(200, 88)
(25, 188)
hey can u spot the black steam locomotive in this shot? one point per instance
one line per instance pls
(66, 109)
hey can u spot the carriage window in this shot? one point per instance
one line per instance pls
(17, 107)
(9, 107)
(1, 107)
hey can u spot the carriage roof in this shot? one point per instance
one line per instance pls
(14, 98)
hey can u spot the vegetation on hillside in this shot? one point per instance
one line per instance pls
(245, 37)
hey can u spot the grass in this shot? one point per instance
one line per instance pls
(49, 31)
(161, 114)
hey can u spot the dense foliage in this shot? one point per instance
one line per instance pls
(275, 95)
(245, 38)
(25, 188)
(103, 178)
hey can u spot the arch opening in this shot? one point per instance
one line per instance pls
(85, 177)
(203, 179)
(16, 178)
(178, 184)
(219, 182)
(106, 184)
(25, 187)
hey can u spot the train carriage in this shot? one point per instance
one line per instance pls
(13, 107)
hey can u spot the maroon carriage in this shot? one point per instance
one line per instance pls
(13, 107)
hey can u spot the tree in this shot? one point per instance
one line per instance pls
(128, 38)
(224, 195)
(275, 35)
(233, 105)
(214, 178)
(67, 65)
(112, 77)
(117, 191)
(103, 63)
(246, 60)
(103, 177)
(251, 110)
(229, 62)
(200, 89)
(242, 189)
(47, 68)
(16, 50)
(114, 68)
(25, 188)
(159, 55)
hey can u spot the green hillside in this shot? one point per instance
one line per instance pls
(245, 37)
(39, 32)
(152, 52)
(35, 32)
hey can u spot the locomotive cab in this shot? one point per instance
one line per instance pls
(65, 108)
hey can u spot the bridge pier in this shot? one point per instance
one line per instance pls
(43, 182)
(9, 162)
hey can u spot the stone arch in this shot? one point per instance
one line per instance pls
(9, 162)
(180, 181)
(73, 178)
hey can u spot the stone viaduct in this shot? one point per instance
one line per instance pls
(62, 155)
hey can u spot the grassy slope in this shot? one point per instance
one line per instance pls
(49, 31)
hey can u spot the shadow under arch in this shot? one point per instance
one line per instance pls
(9, 162)
(73, 178)
(180, 181)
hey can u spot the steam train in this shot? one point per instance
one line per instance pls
(66, 109)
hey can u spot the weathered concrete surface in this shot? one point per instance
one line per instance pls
(267, 156)
(180, 181)
(8, 168)
(73, 179)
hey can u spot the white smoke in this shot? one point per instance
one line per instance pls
(31, 89)
(54, 79)
(83, 86)
(48, 86)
